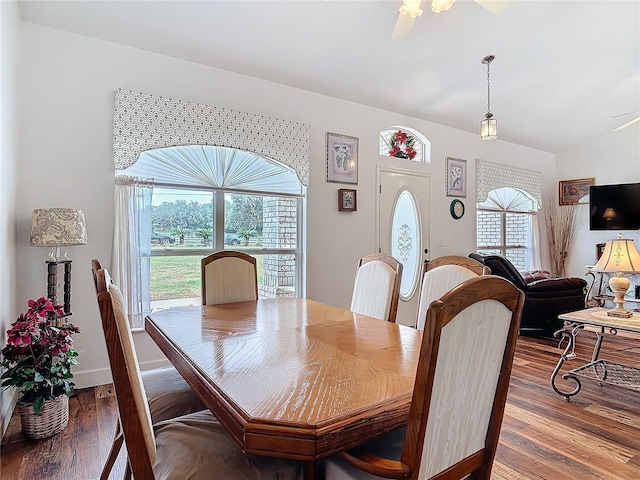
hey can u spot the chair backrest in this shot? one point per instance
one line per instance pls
(95, 266)
(441, 275)
(133, 407)
(502, 267)
(462, 379)
(227, 277)
(377, 287)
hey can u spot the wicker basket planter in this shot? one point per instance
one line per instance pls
(51, 420)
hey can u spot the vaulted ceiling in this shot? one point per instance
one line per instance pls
(562, 68)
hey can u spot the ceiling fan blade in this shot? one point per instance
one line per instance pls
(624, 114)
(497, 7)
(403, 27)
(637, 119)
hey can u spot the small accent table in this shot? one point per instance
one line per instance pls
(602, 371)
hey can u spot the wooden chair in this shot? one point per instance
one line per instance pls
(193, 446)
(459, 395)
(441, 275)
(167, 393)
(377, 287)
(227, 277)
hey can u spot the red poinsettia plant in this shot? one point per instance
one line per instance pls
(402, 145)
(39, 355)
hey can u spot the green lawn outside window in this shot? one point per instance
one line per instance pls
(179, 277)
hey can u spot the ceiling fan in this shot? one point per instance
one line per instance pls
(631, 122)
(410, 10)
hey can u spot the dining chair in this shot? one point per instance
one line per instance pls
(460, 391)
(442, 274)
(166, 391)
(377, 287)
(228, 276)
(193, 446)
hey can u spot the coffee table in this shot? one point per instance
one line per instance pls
(601, 370)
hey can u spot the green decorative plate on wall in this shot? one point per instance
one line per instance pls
(457, 209)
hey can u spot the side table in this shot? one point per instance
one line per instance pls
(598, 369)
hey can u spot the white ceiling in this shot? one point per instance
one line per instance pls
(562, 68)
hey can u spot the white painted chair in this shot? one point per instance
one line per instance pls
(460, 392)
(227, 277)
(441, 275)
(193, 446)
(166, 391)
(377, 287)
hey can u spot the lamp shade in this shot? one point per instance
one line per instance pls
(619, 256)
(438, 6)
(489, 128)
(58, 227)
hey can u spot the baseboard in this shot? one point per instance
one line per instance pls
(102, 376)
(82, 379)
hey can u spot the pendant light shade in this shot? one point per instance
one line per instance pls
(488, 126)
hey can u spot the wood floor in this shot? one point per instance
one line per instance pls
(594, 436)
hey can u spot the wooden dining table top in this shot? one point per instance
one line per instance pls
(292, 377)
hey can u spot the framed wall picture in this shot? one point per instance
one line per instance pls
(342, 158)
(456, 177)
(571, 191)
(347, 200)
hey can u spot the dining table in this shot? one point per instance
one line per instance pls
(292, 377)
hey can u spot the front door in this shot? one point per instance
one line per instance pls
(403, 231)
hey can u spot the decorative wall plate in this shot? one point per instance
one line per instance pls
(457, 209)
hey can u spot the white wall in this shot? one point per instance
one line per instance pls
(66, 98)
(610, 158)
(9, 27)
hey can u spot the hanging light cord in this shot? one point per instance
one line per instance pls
(488, 88)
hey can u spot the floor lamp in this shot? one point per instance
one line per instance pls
(58, 227)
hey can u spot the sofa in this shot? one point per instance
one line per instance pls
(545, 297)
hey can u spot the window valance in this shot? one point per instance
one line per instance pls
(492, 175)
(144, 122)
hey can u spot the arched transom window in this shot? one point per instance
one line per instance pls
(405, 142)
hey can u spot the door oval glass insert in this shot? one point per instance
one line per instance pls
(405, 241)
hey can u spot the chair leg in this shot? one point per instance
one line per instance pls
(113, 453)
(127, 472)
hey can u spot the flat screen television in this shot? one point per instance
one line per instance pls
(614, 207)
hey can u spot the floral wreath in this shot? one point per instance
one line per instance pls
(401, 145)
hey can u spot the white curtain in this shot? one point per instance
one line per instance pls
(209, 166)
(132, 245)
(533, 247)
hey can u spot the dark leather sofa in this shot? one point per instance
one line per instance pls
(545, 297)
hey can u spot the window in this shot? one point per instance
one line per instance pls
(203, 199)
(405, 241)
(506, 225)
(414, 139)
(185, 229)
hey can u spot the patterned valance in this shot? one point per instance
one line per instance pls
(143, 122)
(491, 175)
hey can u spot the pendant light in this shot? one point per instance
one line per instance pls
(488, 126)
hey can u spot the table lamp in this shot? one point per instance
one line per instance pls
(619, 257)
(58, 227)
